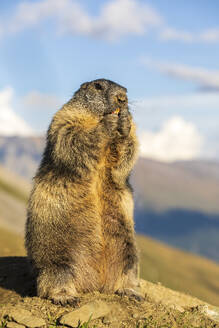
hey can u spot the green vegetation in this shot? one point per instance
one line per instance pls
(52, 322)
(3, 324)
(86, 324)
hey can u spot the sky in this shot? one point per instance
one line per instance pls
(164, 52)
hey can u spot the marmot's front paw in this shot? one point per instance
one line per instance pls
(124, 124)
(110, 123)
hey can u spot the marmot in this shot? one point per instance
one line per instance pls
(79, 229)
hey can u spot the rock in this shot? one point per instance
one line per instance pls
(135, 315)
(95, 310)
(14, 325)
(114, 325)
(25, 318)
(106, 320)
(210, 311)
(177, 307)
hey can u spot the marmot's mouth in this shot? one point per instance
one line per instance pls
(116, 111)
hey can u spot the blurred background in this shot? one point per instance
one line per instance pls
(166, 55)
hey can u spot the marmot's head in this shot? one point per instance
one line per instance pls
(102, 97)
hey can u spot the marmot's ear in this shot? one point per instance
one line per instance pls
(84, 85)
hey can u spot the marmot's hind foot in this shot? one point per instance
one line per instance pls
(130, 293)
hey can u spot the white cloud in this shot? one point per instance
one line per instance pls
(173, 34)
(210, 35)
(170, 34)
(192, 101)
(199, 108)
(122, 17)
(176, 140)
(10, 123)
(117, 18)
(29, 14)
(205, 78)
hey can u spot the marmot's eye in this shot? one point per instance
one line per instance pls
(98, 86)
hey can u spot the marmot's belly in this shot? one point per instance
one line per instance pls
(107, 263)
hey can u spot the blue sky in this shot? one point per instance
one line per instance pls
(165, 53)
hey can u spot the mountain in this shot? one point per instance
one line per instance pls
(178, 203)
(189, 185)
(174, 202)
(21, 154)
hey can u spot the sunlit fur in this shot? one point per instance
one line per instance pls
(79, 230)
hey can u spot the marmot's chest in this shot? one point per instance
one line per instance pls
(114, 199)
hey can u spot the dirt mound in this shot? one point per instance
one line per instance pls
(162, 307)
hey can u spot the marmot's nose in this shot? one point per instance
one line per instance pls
(121, 98)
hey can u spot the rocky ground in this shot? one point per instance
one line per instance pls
(162, 307)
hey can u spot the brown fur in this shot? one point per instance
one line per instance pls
(80, 231)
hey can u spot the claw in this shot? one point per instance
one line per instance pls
(131, 293)
(137, 297)
(73, 301)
